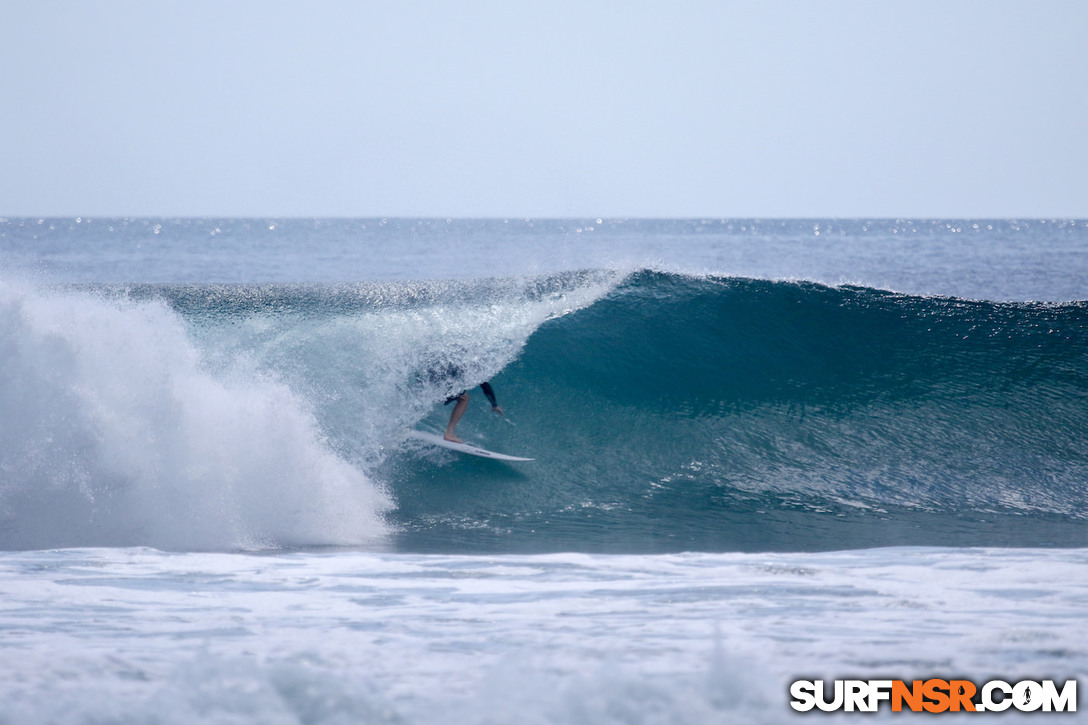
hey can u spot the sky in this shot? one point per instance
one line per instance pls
(677, 108)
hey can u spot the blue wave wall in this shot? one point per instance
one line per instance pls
(701, 413)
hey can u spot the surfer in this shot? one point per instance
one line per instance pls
(462, 404)
(451, 374)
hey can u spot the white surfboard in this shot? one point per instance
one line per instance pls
(462, 447)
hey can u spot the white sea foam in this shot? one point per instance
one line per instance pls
(114, 433)
(139, 636)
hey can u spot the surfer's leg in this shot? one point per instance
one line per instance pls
(455, 416)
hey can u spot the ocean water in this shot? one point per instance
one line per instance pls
(764, 451)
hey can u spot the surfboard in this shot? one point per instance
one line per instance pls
(462, 447)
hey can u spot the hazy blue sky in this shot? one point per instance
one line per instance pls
(550, 108)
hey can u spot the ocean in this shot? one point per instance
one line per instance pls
(764, 451)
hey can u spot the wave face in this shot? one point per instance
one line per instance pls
(665, 413)
(721, 414)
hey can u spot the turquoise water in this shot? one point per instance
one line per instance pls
(765, 451)
(666, 410)
(681, 413)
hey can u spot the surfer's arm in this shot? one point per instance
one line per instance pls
(490, 393)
